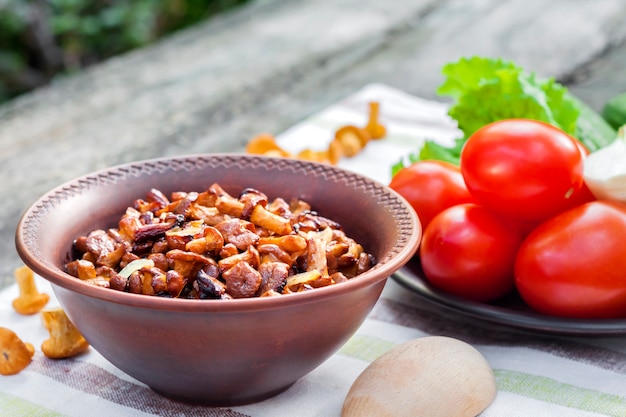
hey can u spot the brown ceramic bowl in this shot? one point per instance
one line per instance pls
(219, 352)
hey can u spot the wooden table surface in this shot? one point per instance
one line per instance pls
(270, 64)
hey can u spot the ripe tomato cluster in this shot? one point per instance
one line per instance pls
(517, 215)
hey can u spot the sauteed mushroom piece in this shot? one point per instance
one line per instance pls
(212, 245)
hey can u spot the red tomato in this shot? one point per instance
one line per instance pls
(470, 252)
(430, 187)
(582, 148)
(574, 265)
(584, 195)
(521, 168)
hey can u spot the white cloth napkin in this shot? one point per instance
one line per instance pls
(538, 375)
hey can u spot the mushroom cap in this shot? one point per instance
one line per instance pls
(30, 301)
(31, 304)
(15, 355)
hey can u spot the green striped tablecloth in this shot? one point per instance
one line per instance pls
(538, 375)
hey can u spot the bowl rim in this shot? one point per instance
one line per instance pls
(59, 278)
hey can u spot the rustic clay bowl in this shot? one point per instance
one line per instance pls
(219, 352)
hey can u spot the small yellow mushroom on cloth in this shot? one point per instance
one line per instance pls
(15, 355)
(349, 141)
(375, 128)
(433, 376)
(352, 139)
(65, 340)
(30, 300)
(265, 144)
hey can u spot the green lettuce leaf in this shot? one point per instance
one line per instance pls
(485, 90)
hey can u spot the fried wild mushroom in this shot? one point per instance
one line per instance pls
(30, 300)
(175, 283)
(270, 221)
(250, 256)
(157, 198)
(187, 264)
(224, 202)
(306, 281)
(158, 227)
(81, 269)
(288, 243)
(65, 340)
(207, 284)
(273, 277)
(271, 252)
(15, 355)
(105, 248)
(240, 233)
(242, 280)
(307, 221)
(250, 198)
(179, 237)
(213, 245)
(184, 204)
(211, 241)
(316, 253)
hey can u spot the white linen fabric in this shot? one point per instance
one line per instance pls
(537, 374)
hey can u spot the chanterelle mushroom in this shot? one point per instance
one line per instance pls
(265, 144)
(65, 340)
(15, 355)
(30, 300)
(352, 139)
(376, 129)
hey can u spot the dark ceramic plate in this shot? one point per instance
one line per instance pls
(509, 311)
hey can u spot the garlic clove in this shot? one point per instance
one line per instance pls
(605, 170)
(433, 376)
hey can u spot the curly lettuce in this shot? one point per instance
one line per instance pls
(485, 90)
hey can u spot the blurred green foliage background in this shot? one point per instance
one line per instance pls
(42, 39)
